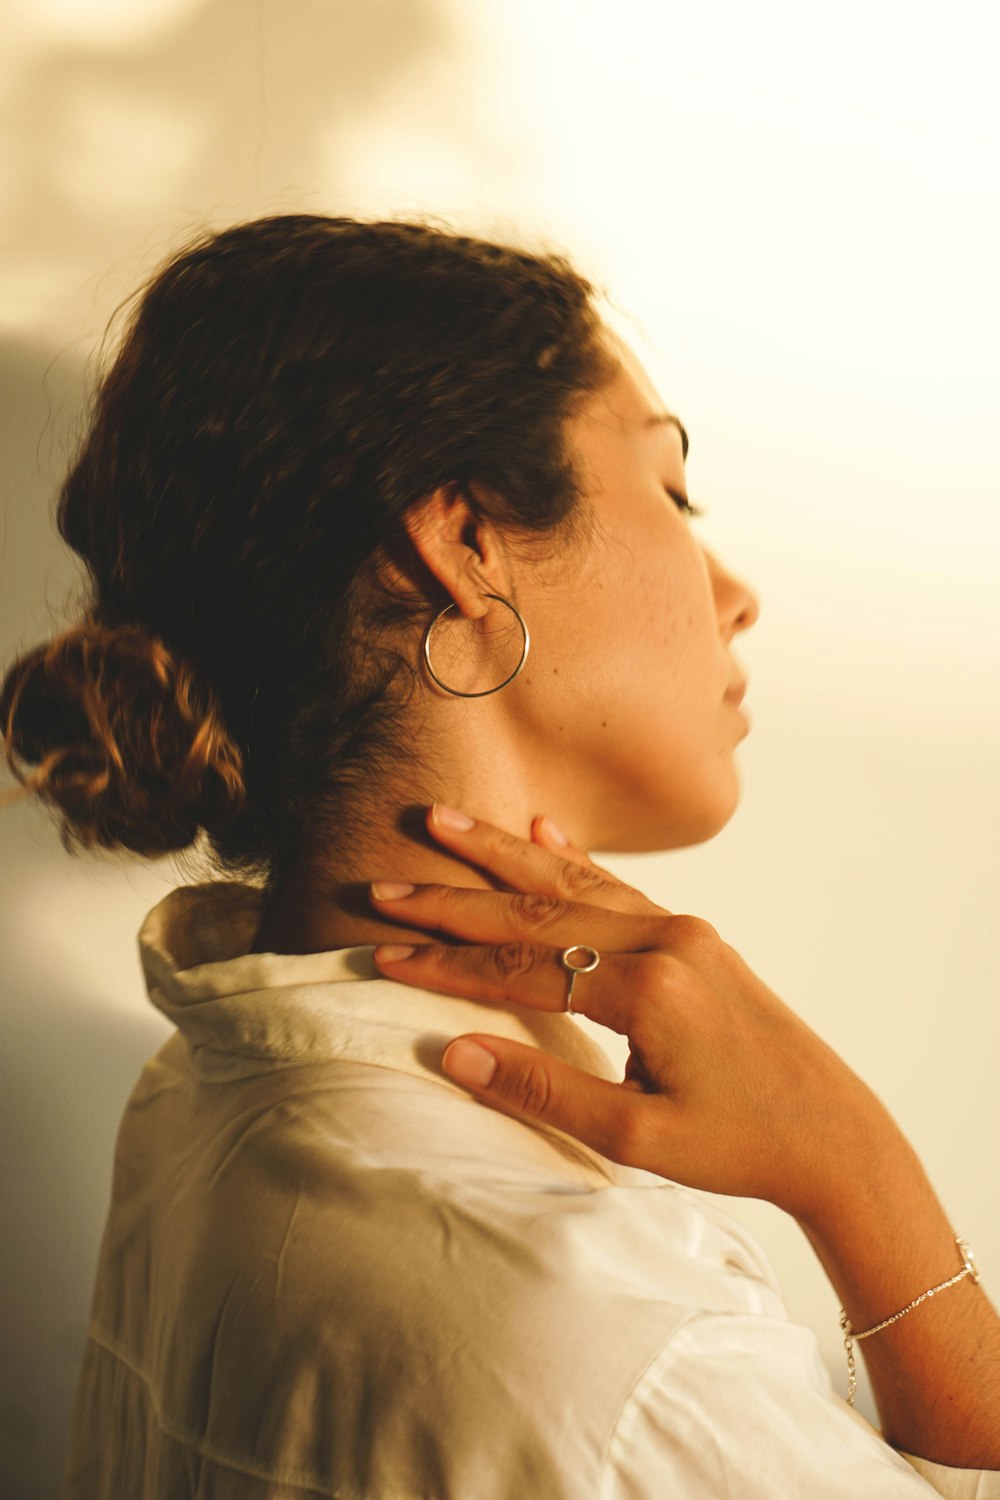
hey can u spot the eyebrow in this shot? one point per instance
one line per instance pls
(661, 418)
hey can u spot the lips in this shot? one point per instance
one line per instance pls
(736, 693)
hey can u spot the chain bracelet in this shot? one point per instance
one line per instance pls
(968, 1269)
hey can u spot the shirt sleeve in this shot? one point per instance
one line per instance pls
(958, 1484)
(743, 1406)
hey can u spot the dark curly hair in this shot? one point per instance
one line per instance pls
(286, 391)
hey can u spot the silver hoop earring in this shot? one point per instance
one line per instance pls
(485, 692)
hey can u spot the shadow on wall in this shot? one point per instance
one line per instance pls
(66, 1062)
(111, 137)
(41, 396)
(219, 105)
(66, 1069)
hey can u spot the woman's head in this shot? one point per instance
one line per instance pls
(317, 433)
(625, 720)
(287, 392)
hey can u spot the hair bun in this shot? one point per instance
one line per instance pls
(129, 745)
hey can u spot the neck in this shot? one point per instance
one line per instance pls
(321, 900)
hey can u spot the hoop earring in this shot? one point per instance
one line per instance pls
(485, 692)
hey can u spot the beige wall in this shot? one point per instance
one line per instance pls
(802, 214)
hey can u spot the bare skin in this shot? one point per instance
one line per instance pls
(624, 726)
(726, 1090)
(619, 725)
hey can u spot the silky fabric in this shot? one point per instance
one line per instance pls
(328, 1271)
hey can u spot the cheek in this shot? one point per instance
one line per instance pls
(667, 613)
(629, 625)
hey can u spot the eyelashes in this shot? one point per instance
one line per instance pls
(684, 504)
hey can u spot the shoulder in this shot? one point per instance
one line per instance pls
(354, 1251)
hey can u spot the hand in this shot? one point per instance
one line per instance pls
(725, 1088)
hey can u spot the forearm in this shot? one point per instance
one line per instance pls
(883, 1238)
(727, 1090)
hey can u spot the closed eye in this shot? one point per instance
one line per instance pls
(684, 504)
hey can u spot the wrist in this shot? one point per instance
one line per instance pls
(859, 1157)
(884, 1242)
(852, 1335)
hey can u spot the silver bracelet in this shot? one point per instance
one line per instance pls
(968, 1269)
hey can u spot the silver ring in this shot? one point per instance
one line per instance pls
(573, 969)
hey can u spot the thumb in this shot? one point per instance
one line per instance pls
(535, 1086)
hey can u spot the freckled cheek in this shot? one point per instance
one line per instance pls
(669, 625)
(624, 626)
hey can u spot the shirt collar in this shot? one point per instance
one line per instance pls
(241, 1012)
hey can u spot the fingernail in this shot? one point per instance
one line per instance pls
(391, 890)
(448, 817)
(469, 1063)
(554, 832)
(393, 953)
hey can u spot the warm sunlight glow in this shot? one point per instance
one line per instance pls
(102, 23)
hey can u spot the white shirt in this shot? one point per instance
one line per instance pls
(328, 1271)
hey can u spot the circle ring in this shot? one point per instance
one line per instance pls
(573, 969)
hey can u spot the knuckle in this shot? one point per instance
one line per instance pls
(513, 960)
(528, 1089)
(692, 933)
(656, 970)
(536, 911)
(582, 880)
(451, 957)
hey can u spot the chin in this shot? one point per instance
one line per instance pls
(653, 826)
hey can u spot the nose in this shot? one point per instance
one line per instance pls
(737, 604)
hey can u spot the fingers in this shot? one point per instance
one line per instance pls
(548, 835)
(493, 917)
(619, 1123)
(525, 866)
(521, 973)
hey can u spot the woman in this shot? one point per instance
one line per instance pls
(378, 517)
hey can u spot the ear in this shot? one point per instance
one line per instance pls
(464, 553)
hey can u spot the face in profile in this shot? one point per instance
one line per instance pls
(633, 684)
